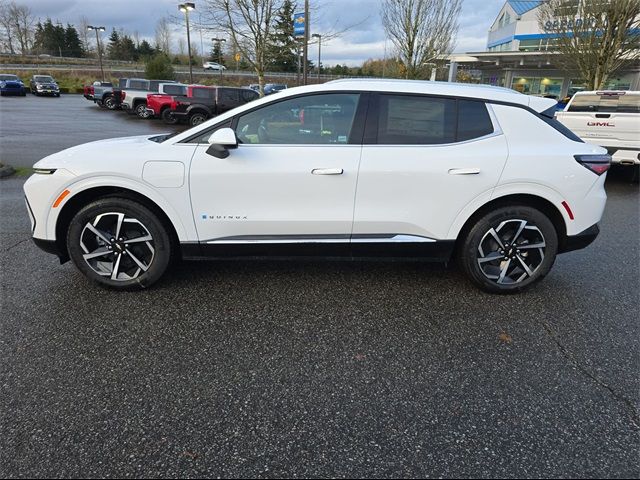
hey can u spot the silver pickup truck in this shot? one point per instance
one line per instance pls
(103, 95)
(134, 94)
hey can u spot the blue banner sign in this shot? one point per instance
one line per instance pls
(299, 24)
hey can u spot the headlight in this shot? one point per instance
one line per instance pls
(2, 84)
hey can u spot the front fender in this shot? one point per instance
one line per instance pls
(174, 202)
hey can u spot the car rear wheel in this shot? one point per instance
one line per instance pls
(168, 117)
(110, 102)
(509, 249)
(197, 119)
(119, 243)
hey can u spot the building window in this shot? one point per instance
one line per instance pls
(538, 86)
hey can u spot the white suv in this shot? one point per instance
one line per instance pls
(352, 168)
(213, 66)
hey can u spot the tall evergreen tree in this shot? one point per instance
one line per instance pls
(128, 49)
(72, 44)
(283, 54)
(113, 48)
(216, 53)
(145, 50)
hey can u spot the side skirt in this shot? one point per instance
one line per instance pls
(437, 251)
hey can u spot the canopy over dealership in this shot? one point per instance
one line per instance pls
(520, 55)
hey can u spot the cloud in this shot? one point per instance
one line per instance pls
(362, 34)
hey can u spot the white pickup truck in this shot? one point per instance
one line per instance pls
(608, 118)
(134, 94)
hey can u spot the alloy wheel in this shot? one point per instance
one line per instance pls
(117, 246)
(511, 252)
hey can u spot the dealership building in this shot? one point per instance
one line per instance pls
(520, 56)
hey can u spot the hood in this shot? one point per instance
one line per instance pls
(100, 156)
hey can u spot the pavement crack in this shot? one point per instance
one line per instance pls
(15, 245)
(635, 415)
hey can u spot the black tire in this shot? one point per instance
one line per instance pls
(484, 260)
(139, 222)
(168, 117)
(109, 102)
(197, 118)
(141, 110)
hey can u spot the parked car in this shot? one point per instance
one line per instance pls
(271, 88)
(160, 105)
(209, 102)
(481, 174)
(608, 118)
(104, 97)
(213, 66)
(11, 85)
(89, 90)
(133, 98)
(44, 85)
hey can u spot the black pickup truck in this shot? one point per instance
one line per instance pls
(209, 102)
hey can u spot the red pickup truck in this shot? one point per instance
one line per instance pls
(160, 105)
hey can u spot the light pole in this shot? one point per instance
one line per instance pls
(319, 37)
(219, 41)
(186, 8)
(98, 29)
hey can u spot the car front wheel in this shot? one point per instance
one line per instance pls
(141, 111)
(509, 249)
(119, 243)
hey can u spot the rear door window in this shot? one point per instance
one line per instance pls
(175, 89)
(473, 120)
(416, 120)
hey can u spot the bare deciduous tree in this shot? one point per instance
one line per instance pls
(421, 30)
(163, 35)
(250, 25)
(85, 37)
(16, 22)
(593, 37)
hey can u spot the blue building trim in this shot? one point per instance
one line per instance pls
(500, 42)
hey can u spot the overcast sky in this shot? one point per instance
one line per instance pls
(365, 39)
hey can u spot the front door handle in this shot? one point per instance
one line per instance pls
(464, 171)
(327, 171)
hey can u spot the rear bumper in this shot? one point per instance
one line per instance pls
(580, 240)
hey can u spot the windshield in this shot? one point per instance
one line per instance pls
(4, 78)
(43, 78)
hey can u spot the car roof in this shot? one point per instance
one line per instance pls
(608, 92)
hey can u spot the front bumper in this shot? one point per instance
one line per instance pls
(580, 240)
(52, 247)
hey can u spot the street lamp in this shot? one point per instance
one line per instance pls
(219, 40)
(186, 8)
(98, 29)
(319, 37)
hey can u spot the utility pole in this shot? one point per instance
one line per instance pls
(305, 45)
(319, 37)
(186, 8)
(98, 29)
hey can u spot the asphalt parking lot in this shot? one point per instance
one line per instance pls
(310, 369)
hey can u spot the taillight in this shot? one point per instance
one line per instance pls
(598, 164)
(122, 95)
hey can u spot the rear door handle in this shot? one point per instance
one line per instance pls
(327, 171)
(464, 171)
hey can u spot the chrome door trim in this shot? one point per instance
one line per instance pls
(359, 238)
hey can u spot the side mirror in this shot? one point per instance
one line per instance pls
(221, 141)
